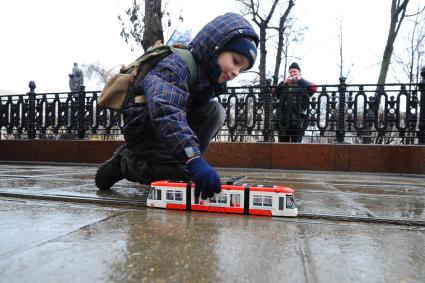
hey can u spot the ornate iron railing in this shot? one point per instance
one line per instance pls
(342, 113)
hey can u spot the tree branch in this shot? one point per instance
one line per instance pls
(415, 14)
(402, 7)
(403, 11)
(269, 16)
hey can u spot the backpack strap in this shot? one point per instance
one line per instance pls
(190, 61)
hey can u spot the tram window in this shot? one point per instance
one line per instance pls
(154, 194)
(174, 195)
(260, 200)
(219, 199)
(281, 200)
(222, 199)
(267, 201)
(179, 195)
(170, 195)
(235, 200)
(290, 203)
(151, 193)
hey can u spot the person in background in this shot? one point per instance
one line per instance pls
(168, 135)
(294, 96)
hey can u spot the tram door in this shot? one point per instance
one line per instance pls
(235, 200)
(281, 203)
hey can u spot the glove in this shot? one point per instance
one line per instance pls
(207, 181)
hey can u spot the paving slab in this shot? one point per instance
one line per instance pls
(57, 227)
(384, 196)
(69, 242)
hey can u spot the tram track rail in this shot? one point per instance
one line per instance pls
(142, 203)
(362, 219)
(77, 199)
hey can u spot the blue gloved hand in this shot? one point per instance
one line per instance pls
(207, 181)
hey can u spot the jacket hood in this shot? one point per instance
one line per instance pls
(209, 41)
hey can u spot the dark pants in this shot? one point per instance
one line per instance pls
(291, 129)
(148, 160)
(291, 135)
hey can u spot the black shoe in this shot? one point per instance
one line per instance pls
(109, 172)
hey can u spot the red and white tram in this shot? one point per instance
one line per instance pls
(243, 199)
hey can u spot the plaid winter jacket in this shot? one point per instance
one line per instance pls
(167, 88)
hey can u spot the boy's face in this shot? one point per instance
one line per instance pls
(231, 63)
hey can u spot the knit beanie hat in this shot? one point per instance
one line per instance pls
(294, 65)
(244, 46)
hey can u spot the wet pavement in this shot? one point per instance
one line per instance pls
(57, 227)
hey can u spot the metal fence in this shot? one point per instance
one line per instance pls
(342, 113)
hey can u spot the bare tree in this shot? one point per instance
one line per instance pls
(416, 47)
(341, 57)
(293, 34)
(252, 7)
(143, 28)
(281, 41)
(398, 11)
(342, 72)
(95, 71)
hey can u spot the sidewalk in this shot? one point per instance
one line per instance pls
(57, 227)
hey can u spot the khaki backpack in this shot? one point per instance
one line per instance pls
(119, 90)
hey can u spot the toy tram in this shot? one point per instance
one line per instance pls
(243, 199)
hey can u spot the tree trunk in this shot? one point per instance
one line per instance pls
(152, 23)
(282, 27)
(386, 60)
(263, 24)
(263, 55)
(278, 53)
(397, 9)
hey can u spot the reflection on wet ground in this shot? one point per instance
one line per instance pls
(331, 193)
(86, 240)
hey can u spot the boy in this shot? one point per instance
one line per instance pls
(167, 136)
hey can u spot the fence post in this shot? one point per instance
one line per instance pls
(31, 111)
(340, 125)
(267, 133)
(421, 133)
(81, 112)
